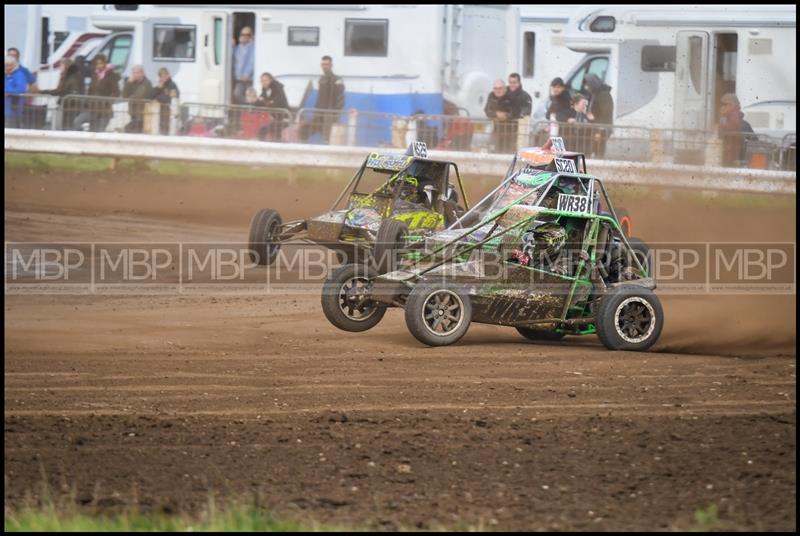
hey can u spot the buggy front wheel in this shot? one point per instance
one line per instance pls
(630, 317)
(438, 315)
(345, 298)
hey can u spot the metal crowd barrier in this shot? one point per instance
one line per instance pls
(236, 122)
(787, 156)
(445, 132)
(345, 127)
(37, 111)
(110, 114)
(669, 146)
(378, 129)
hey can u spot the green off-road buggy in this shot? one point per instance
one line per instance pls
(390, 198)
(543, 253)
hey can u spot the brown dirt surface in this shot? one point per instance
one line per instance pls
(163, 400)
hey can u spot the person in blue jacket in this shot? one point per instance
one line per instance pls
(30, 77)
(16, 84)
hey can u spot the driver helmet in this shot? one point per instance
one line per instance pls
(546, 239)
(408, 188)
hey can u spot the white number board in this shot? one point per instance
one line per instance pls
(565, 165)
(573, 203)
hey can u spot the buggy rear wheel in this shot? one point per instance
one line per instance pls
(390, 239)
(642, 252)
(264, 236)
(438, 315)
(345, 298)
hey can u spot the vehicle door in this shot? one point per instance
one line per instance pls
(215, 57)
(691, 81)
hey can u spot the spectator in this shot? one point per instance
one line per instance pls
(273, 96)
(250, 96)
(578, 112)
(70, 82)
(732, 130)
(199, 127)
(137, 88)
(577, 137)
(521, 105)
(15, 85)
(243, 60)
(601, 111)
(330, 97)
(105, 83)
(30, 87)
(253, 123)
(521, 102)
(498, 108)
(30, 78)
(164, 92)
(559, 109)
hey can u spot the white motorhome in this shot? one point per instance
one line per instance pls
(538, 52)
(47, 34)
(393, 58)
(668, 66)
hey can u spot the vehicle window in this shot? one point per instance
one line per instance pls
(656, 58)
(603, 23)
(364, 37)
(303, 36)
(117, 51)
(598, 66)
(218, 34)
(529, 44)
(696, 62)
(173, 43)
(59, 38)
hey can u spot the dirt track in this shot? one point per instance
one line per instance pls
(164, 399)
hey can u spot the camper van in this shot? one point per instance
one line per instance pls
(392, 58)
(668, 66)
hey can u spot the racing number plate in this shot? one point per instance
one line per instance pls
(573, 203)
(564, 165)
